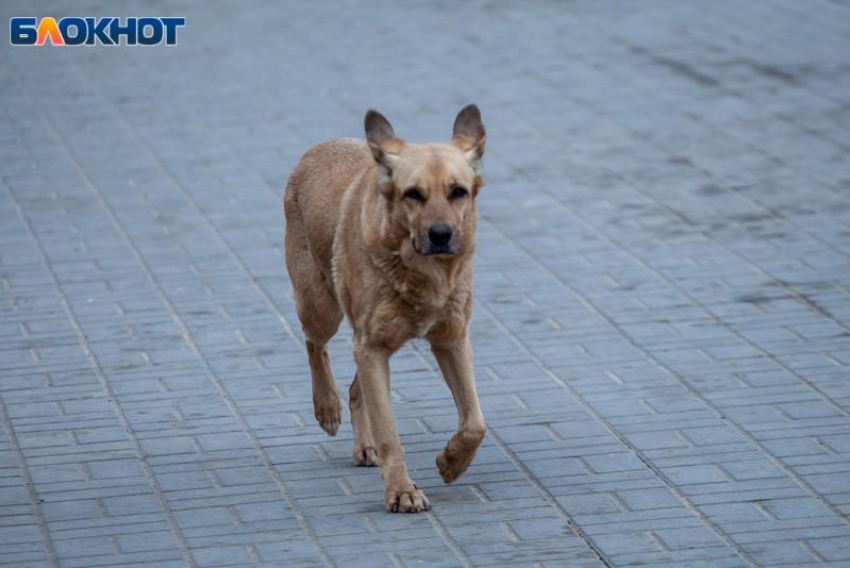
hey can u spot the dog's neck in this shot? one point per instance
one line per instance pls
(424, 281)
(409, 273)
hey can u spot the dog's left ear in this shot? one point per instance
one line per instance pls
(469, 134)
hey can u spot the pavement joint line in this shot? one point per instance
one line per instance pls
(551, 500)
(176, 532)
(23, 471)
(394, 558)
(811, 550)
(448, 539)
(187, 335)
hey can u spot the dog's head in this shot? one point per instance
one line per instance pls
(430, 189)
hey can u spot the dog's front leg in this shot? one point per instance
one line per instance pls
(401, 495)
(455, 360)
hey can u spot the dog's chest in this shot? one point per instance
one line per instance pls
(422, 327)
(423, 312)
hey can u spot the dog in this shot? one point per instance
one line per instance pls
(383, 231)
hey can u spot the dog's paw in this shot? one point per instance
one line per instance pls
(366, 456)
(409, 499)
(329, 414)
(459, 453)
(452, 464)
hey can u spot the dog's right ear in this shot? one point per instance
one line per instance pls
(382, 140)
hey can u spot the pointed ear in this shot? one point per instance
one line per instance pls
(382, 140)
(469, 133)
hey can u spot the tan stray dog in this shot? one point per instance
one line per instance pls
(384, 231)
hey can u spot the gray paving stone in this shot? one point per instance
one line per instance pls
(662, 329)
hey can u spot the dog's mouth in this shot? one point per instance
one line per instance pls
(430, 249)
(444, 250)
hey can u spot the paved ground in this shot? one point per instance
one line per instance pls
(662, 324)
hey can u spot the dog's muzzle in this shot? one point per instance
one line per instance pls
(440, 241)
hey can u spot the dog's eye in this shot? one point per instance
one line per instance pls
(458, 192)
(414, 194)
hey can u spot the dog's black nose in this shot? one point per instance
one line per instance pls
(440, 234)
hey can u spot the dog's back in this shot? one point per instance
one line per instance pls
(315, 190)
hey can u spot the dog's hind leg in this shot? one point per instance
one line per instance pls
(327, 405)
(364, 445)
(320, 315)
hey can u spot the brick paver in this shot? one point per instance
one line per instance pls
(662, 324)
